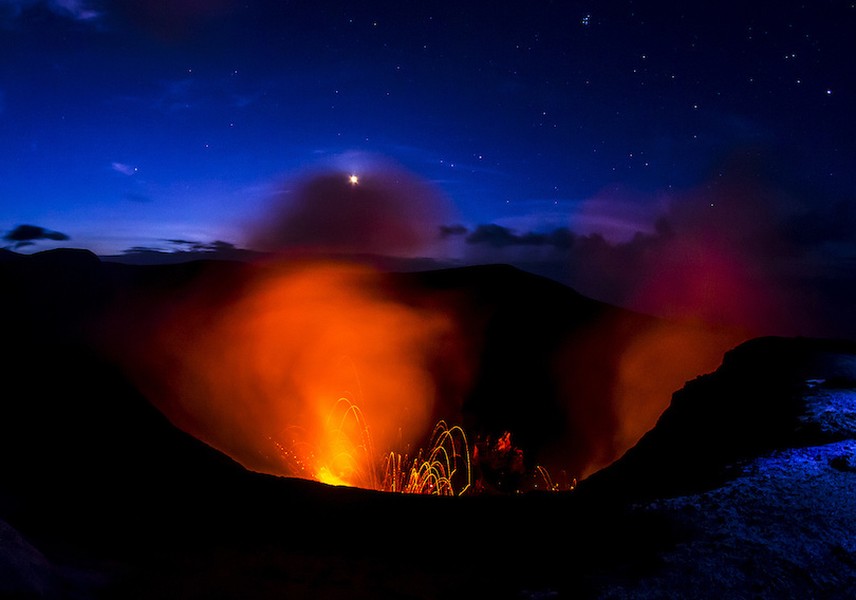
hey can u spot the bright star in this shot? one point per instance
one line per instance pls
(353, 180)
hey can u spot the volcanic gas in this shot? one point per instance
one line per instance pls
(284, 374)
(339, 373)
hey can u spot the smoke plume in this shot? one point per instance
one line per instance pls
(273, 370)
(378, 209)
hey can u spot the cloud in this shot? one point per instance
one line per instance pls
(739, 250)
(124, 169)
(178, 95)
(500, 237)
(27, 235)
(447, 231)
(196, 246)
(77, 10)
(181, 250)
(179, 246)
(388, 210)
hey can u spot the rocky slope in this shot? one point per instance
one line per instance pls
(754, 469)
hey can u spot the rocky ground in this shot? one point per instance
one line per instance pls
(783, 524)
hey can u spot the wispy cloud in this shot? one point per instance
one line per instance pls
(177, 95)
(124, 169)
(77, 10)
(180, 250)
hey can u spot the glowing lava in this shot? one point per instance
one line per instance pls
(344, 455)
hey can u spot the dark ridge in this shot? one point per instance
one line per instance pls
(66, 258)
(8, 255)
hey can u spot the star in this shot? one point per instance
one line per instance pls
(353, 180)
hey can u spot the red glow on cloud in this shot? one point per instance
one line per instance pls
(702, 280)
(723, 253)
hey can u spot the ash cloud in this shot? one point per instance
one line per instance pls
(386, 211)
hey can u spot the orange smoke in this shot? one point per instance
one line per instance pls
(697, 283)
(298, 373)
(657, 363)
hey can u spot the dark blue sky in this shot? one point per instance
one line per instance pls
(127, 124)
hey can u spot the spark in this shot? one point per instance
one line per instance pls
(344, 455)
(437, 470)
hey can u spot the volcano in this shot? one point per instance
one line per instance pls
(115, 484)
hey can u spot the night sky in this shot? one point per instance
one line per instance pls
(608, 144)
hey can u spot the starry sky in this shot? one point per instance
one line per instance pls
(573, 138)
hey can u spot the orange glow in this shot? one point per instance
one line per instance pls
(623, 379)
(658, 363)
(324, 475)
(287, 375)
(503, 444)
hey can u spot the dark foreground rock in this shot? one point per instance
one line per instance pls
(752, 469)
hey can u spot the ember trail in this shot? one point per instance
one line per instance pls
(447, 466)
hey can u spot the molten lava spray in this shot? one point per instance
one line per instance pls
(300, 373)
